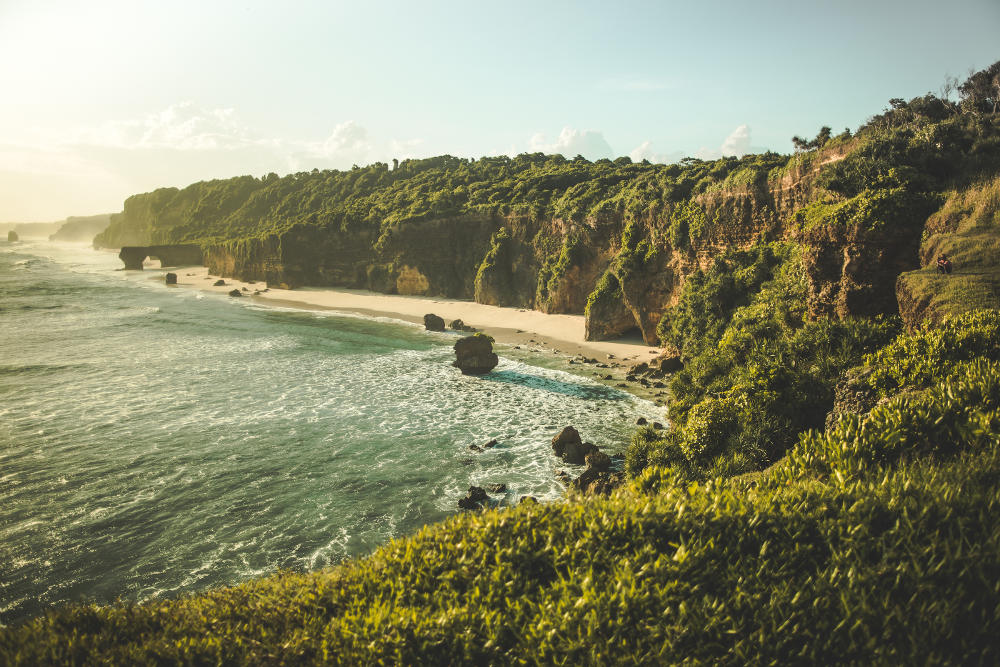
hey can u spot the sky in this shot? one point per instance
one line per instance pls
(103, 99)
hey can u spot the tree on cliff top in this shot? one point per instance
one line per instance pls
(981, 91)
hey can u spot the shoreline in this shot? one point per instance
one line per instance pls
(556, 334)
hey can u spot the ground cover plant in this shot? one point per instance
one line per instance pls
(873, 542)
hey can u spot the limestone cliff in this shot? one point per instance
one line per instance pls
(615, 241)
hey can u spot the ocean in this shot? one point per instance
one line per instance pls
(158, 440)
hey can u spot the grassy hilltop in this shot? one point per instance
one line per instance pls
(829, 489)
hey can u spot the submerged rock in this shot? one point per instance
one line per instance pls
(171, 278)
(499, 487)
(433, 323)
(474, 355)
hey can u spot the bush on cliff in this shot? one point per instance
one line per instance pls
(848, 556)
(757, 372)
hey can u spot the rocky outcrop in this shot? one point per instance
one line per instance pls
(568, 446)
(236, 293)
(853, 271)
(12, 236)
(433, 322)
(853, 395)
(474, 355)
(169, 255)
(475, 499)
(459, 325)
(171, 279)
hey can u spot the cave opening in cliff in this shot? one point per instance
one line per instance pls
(632, 334)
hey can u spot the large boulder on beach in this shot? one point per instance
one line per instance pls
(570, 447)
(219, 283)
(433, 323)
(171, 278)
(474, 355)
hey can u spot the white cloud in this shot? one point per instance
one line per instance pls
(93, 169)
(591, 144)
(644, 151)
(737, 143)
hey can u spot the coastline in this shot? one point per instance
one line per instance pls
(557, 334)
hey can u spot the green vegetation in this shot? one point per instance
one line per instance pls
(872, 544)
(376, 197)
(751, 531)
(756, 371)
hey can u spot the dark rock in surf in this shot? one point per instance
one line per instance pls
(171, 279)
(235, 292)
(12, 236)
(570, 447)
(598, 460)
(497, 488)
(474, 355)
(433, 323)
(475, 499)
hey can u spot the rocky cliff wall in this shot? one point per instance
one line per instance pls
(623, 269)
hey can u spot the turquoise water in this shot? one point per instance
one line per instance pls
(155, 440)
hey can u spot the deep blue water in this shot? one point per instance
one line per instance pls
(155, 440)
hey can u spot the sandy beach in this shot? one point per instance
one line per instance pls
(509, 326)
(560, 335)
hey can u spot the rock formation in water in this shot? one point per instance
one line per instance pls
(12, 236)
(568, 446)
(169, 255)
(474, 354)
(433, 322)
(475, 499)
(171, 278)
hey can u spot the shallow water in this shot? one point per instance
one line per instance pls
(156, 440)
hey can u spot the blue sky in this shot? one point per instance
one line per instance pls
(105, 99)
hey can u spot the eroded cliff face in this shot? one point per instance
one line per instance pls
(852, 271)
(622, 270)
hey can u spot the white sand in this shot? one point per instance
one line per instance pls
(512, 326)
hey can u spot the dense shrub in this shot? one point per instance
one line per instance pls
(929, 356)
(884, 564)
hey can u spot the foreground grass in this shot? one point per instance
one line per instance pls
(854, 549)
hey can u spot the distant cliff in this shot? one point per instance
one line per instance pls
(614, 240)
(81, 229)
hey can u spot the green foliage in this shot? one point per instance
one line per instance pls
(929, 356)
(871, 209)
(495, 267)
(708, 300)
(573, 253)
(376, 197)
(943, 421)
(756, 372)
(880, 564)
(606, 291)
